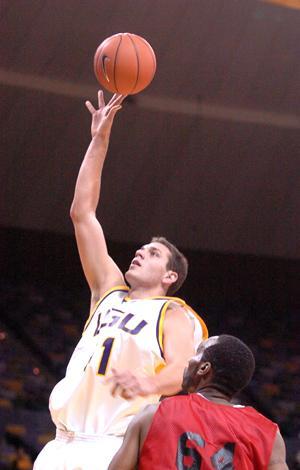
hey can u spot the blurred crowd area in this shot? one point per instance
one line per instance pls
(41, 324)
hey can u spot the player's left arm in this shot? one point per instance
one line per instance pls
(178, 348)
(127, 456)
(278, 456)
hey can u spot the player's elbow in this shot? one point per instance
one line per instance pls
(77, 213)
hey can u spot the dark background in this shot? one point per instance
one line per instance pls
(207, 155)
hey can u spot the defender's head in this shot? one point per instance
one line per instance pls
(222, 362)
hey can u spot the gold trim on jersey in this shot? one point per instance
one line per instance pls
(161, 325)
(162, 297)
(106, 293)
(162, 315)
(160, 367)
(182, 303)
(201, 321)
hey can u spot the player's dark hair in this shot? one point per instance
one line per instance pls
(177, 263)
(232, 363)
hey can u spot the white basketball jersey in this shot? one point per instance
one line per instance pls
(121, 333)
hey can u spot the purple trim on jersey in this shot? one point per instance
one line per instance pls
(107, 294)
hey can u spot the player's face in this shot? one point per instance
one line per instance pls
(191, 377)
(149, 266)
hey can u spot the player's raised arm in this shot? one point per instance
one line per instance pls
(100, 270)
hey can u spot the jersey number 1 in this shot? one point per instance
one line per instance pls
(107, 347)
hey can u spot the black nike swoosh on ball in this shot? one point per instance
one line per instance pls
(104, 60)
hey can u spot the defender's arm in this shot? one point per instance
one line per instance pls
(127, 457)
(278, 456)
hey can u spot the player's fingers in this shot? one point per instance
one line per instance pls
(110, 113)
(116, 99)
(122, 391)
(116, 382)
(128, 393)
(114, 103)
(114, 389)
(115, 374)
(90, 107)
(120, 99)
(113, 99)
(112, 377)
(101, 102)
(123, 381)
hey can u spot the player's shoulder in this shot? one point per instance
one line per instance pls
(145, 415)
(180, 305)
(113, 292)
(172, 404)
(179, 309)
(174, 305)
(150, 408)
(176, 311)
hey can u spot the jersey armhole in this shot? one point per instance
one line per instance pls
(201, 321)
(103, 297)
(160, 327)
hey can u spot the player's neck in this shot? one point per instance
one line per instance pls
(144, 293)
(214, 395)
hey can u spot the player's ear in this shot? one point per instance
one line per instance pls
(204, 368)
(169, 278)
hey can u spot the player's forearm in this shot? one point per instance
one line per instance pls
(87, 189)
(168, 381)
(278, 466)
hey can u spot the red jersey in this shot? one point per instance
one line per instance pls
(191, 432)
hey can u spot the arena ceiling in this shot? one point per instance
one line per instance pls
(208, 155)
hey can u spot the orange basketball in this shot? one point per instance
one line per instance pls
(124, 63)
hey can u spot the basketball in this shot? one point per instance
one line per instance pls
(124, 63)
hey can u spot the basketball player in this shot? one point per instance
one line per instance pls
(136, 341)
(204, 430)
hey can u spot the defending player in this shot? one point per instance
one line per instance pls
(204, 429)
(136, 341)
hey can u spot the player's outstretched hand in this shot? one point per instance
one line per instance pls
(128, 385)
(102, 118)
